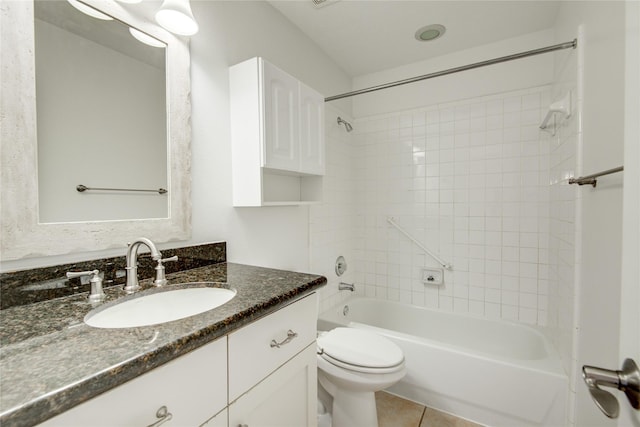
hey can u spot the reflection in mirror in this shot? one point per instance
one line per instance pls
(101, 117)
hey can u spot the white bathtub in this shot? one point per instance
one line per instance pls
(492, 372)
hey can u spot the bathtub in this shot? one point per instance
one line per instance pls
(492, 372)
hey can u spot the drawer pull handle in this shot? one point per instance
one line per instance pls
(290, 335)
(163, 416)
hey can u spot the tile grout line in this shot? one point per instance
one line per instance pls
(424, 410)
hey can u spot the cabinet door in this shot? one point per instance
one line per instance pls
(311, 131)
(220, 420)
(192, 387)
(286, 398)
(281, 113)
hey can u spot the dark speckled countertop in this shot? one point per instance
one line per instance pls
(51, 361)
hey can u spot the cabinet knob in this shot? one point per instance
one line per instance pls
(163, 416)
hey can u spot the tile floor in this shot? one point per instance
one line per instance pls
(394, 411)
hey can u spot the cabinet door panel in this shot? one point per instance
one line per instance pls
(192, 387)
(286, 398)
(311, 131)
(281, 119)
(251, 354)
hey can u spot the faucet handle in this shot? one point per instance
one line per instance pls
(96, 294)
(173, 258)
(160, 278)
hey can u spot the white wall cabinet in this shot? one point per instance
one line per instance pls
(277, 132)
(239, 379)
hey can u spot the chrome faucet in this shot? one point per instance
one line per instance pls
(346, 286)
(132, 262)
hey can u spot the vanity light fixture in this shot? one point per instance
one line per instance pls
(88, 10)
(176, 16)
(145, 38)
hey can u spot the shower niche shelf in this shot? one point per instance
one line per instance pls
(277, 132)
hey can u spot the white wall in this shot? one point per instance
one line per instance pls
(599, 210)
(231, 32)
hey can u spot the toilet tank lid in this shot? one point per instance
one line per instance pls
(360, 348)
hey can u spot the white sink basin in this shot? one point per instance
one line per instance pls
(159, 307)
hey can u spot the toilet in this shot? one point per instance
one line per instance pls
(352, 365)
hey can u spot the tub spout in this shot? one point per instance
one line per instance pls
(346, 286)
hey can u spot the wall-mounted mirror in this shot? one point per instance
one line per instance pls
(111, 131)
(86, 103)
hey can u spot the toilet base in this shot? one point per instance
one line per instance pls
(352, 409)
(349, 408)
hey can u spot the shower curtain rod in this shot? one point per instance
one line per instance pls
(560, 46)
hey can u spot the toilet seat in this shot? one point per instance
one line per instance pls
(360, 351)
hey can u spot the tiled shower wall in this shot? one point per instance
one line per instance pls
(470, 181)
(330, 223)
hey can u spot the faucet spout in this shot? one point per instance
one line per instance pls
(132, 262)
(346, 287)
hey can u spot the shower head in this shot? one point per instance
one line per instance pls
(346, 124)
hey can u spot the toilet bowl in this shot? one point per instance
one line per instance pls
(352, 365)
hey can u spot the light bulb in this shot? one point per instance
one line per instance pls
(176, 16)
(145, 38)
(88, 10)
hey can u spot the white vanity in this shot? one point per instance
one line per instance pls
(261, 374)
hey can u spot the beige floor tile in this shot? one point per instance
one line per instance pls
(394, 411)
(433, 418)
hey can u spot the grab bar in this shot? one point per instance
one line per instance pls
(444, 264)
(591, 179)
(81, 188)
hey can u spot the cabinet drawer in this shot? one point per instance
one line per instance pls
(252, 355)
(192, 388)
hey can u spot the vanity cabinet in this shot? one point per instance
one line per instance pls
(193, 388)
(263, 374)
(277, 132)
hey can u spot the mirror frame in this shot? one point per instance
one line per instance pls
(23, 236)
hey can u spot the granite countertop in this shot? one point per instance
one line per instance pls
(51, 361)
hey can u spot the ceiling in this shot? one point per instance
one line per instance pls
(366, 36)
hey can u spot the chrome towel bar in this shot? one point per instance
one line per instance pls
(591, 179)
(82, 188)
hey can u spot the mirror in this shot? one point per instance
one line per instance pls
(106, 219)
(105, 76)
